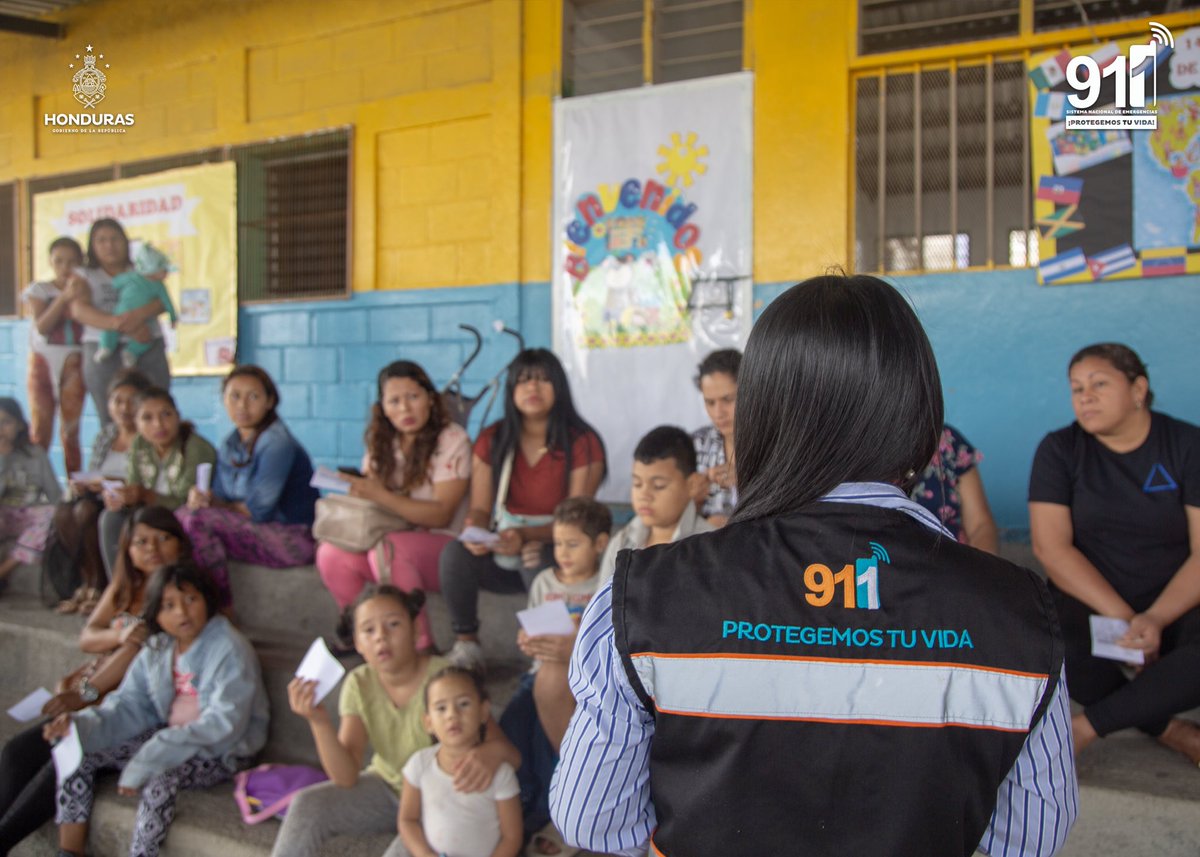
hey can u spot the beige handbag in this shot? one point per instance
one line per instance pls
(354, 524)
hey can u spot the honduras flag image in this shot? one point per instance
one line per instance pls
(1063, 265)
(1109, 262)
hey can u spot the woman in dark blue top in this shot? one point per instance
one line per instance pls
(260, 506)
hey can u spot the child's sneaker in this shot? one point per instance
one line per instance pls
(102, 354)
(468, 655)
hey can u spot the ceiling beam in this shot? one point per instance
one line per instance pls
(30, 27)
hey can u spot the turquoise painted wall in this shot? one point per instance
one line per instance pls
(1002, 344)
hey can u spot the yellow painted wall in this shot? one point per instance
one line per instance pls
(432, 87)
(800, 54)
(451, 104)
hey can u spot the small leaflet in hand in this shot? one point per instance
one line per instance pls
(31, 706)
(1105, 632)
(321, 666)
(329, 480)
(550, 618)
(479, 536)
(68, 754)
(204, 476)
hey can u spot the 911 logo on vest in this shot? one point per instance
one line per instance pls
(859, 583)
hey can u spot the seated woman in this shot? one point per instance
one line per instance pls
(717, 382)
(114, 634)
(1114, 512)
(538, 455)
(952, 489)
(162, 466)
(260, 506)
(77, 518)
(417, 464)
(28, 491)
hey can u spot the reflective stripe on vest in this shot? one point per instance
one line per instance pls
(891, 693)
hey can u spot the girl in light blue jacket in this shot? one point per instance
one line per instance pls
(190, 713)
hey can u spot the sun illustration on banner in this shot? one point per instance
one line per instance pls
(681, 159)
(89, 82)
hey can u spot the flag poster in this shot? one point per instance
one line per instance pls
(652, 251)
(191, 215)
(1115, 204)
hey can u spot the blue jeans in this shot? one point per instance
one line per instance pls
(538, 760)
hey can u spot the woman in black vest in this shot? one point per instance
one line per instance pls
(1114, 509)
(830, 673)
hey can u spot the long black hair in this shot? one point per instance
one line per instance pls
(838, 384)
(565, 424)
(12, 408)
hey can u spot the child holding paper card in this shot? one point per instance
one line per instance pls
(381, 705)
(197, 675)
(536, 718)
(257, 505)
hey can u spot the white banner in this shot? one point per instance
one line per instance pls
(652, 251)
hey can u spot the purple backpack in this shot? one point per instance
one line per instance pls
(265, 792)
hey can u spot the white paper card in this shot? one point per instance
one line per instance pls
(87, 476)
(204, 476)
(68, 754)
(321, 666)
(549, 618)
(31, 706)
(1105, 633)
(110, 485)
(329, 480)
(479, 536)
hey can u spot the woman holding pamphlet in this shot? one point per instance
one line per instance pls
(258, 506)
(416, 465)
(1114, 510)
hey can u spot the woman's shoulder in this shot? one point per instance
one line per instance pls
(41, 290)
(451, 436)
(1189, 432)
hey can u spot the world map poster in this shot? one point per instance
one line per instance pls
(1118, 204)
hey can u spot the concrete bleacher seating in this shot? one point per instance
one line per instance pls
(1136, 797)
(281, 611)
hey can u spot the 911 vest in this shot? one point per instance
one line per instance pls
(839, 682)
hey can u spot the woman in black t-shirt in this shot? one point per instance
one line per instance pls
(1114, 508)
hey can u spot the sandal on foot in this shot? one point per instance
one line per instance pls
(90, 599)
(548, 842)
(71, 605)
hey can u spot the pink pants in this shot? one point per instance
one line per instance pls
(30, 526)
(414, 566)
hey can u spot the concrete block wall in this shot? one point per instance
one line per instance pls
(325, 355)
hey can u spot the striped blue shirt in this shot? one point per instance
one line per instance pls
(600, 794)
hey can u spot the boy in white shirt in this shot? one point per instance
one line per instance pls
(664, 491)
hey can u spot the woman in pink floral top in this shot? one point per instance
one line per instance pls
(417, 464)
(952, 489)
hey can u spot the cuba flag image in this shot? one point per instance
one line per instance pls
(866, 577)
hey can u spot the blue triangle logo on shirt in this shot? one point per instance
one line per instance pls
(1159, 480)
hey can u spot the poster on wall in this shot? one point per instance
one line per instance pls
(191, 215)
(652, 252)
(1115, 203)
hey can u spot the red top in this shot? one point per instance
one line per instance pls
(538, 489)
